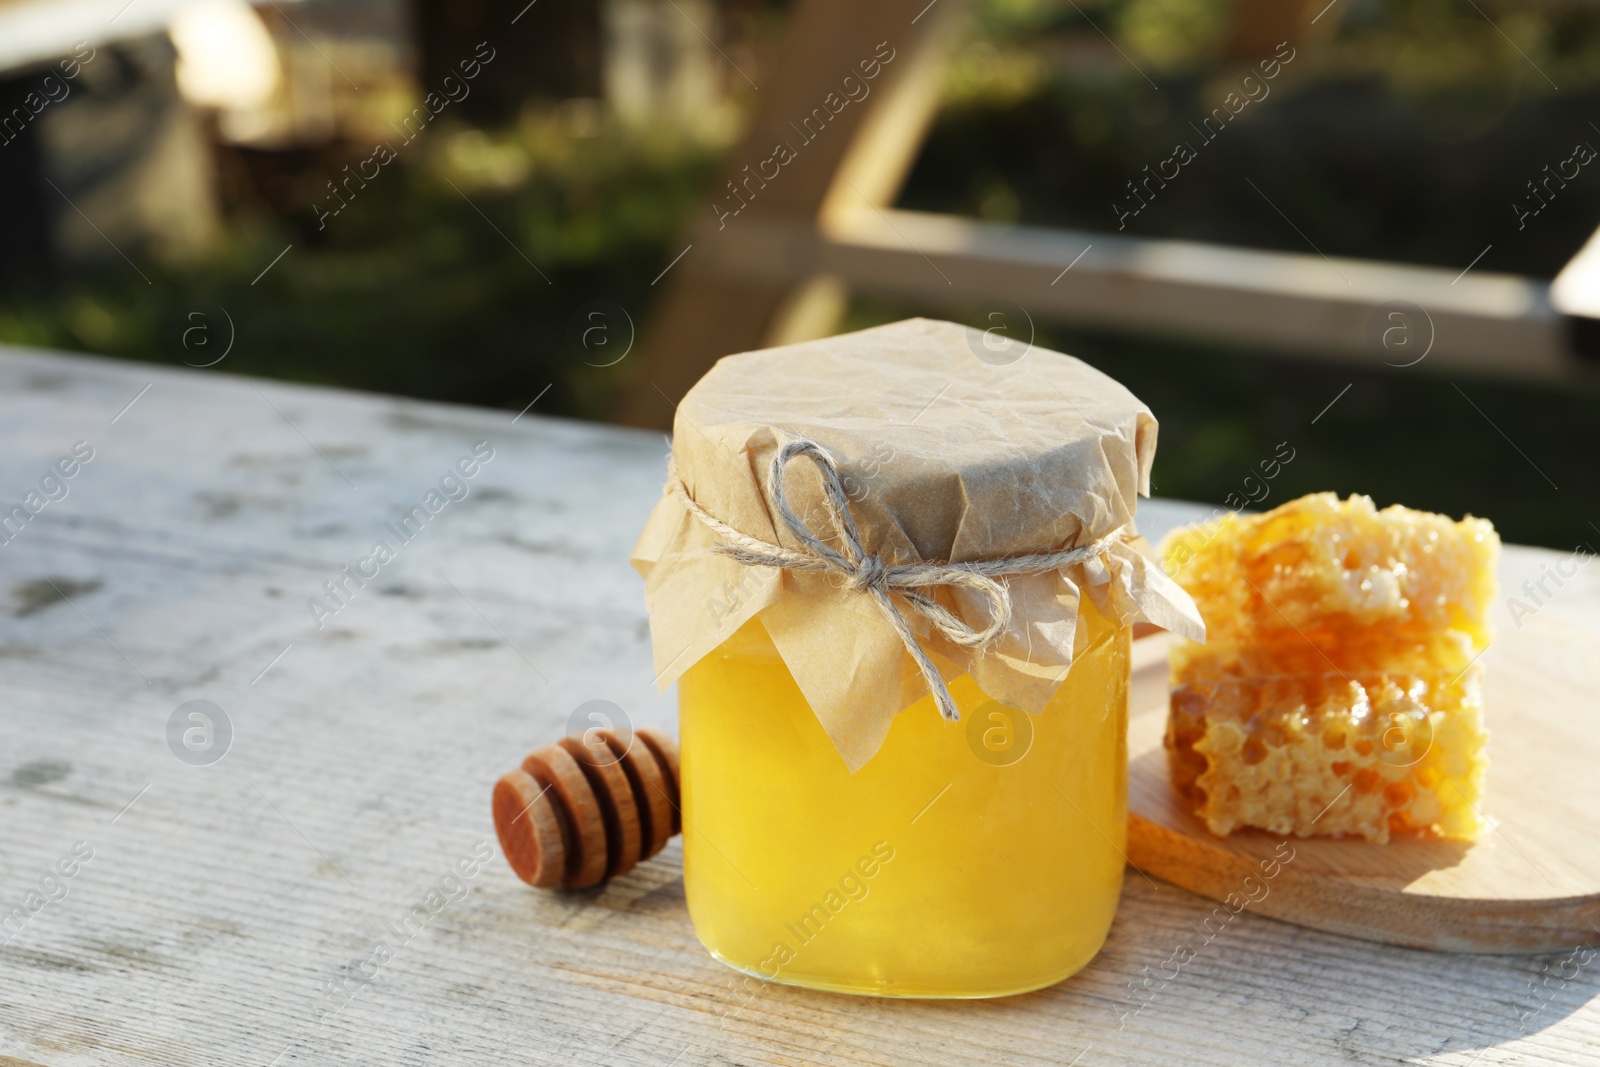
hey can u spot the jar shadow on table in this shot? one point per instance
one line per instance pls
(1371, 1002)
(1272, 989)
(1276, 984)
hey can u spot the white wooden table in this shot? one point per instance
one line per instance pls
(230, 912)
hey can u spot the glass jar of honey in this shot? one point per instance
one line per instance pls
(964, 860)
(903, 675)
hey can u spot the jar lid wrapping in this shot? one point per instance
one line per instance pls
(945, 458)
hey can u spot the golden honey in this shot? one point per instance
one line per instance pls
(971, 859)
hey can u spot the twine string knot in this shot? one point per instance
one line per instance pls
(870, 574)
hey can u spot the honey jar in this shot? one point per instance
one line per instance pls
(894, 583)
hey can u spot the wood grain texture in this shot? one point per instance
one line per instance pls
(1529, 885)
(232, 914)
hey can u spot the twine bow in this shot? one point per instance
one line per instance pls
(870, 574)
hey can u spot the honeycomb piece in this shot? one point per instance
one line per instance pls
(1337, 692)
(1314, 653)
(1364, 755)
(1323, 584)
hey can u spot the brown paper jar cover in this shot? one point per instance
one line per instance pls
(945, 458)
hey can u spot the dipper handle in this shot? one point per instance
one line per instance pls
(588, 808)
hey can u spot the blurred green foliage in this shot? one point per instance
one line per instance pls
(1401, 130)
(452, 275)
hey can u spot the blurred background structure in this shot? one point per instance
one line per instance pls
(491, 201)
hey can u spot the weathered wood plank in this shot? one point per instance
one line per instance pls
(217, 908)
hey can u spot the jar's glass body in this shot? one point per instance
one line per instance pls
(964, 860)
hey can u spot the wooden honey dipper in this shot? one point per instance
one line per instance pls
(588, 808)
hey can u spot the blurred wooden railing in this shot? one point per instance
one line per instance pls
(1272, 300)
(782, 268)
